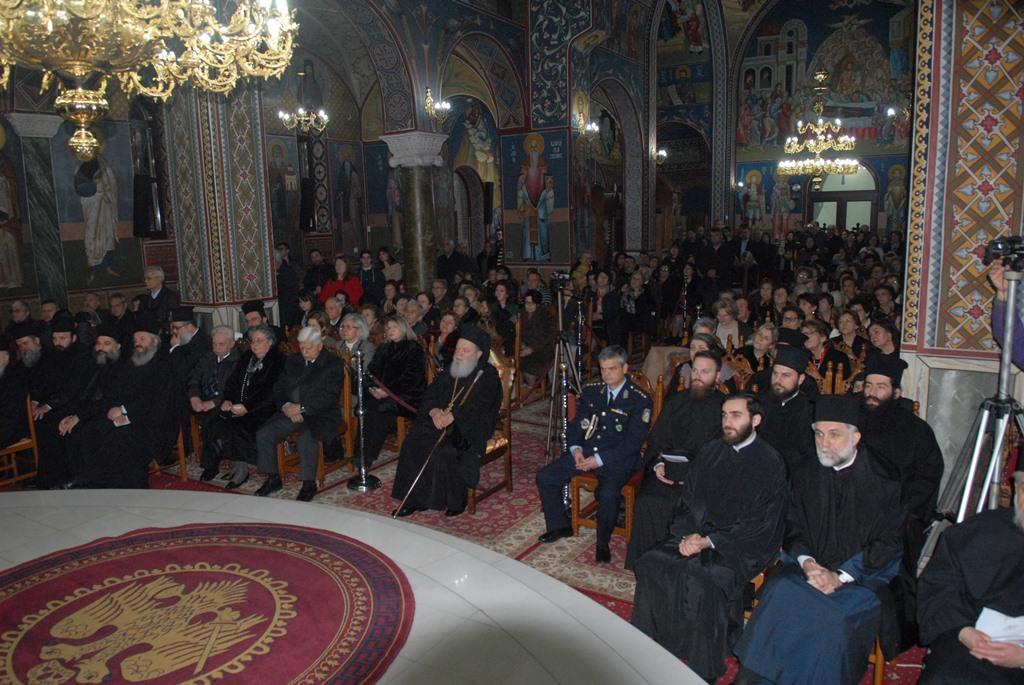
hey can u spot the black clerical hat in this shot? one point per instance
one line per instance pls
(147, 325)
(837, 408)
(478, 337)
(885, 365)
(63, 324)
(253, 306)
(795, 358)
(25, 329)
(107, 330)
(787, 336)
(182, 314)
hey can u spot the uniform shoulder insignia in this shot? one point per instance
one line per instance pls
(640, 391)
(593, 384)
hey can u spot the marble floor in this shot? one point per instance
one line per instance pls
(480, 617)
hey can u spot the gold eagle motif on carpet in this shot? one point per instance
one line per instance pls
(160, 614)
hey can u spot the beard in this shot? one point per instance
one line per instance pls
(874, 406)
(699, 391)
(184, 338)
(31, 357)
(143, 356)
(832, 459)
(111, 357)
(781, 394)
(739, 435)
(461, 369)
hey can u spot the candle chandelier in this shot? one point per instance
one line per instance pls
(816, 138)
(149, 46)
(304, 121)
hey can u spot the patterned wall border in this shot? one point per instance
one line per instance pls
(919, 174)
(722, 140)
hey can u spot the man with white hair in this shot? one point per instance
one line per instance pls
(462, 404)
(155, 308)
(306, 396)
(112, 440)
(976, 568)
(818, 615)
(355, 338)
(210, 375)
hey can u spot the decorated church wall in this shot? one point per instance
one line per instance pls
(866, 48)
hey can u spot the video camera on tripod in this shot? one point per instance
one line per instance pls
(1008, 248)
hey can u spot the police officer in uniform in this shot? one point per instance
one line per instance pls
(611, 424)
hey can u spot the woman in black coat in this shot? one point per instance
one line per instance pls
(248, 403)
(399, 366)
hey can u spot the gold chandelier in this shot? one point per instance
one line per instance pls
(818, 137)
(149, 46)
(304, 121)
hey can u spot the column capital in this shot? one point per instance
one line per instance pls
(29, 125)
(415, 148)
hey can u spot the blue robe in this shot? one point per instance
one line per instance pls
(848, 521)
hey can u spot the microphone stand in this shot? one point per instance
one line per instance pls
(363, 482)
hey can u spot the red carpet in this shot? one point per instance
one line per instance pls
(231, 603)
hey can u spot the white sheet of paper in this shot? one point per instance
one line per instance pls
(1000, 627)
(675, 458)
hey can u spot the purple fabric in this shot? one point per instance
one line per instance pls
(998, 315)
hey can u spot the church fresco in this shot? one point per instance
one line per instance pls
(284, 179)
(536, 199)
(16, 274)
(473, 141)
(865, 50)
(348, 206)
(684, 73)
(95, 210)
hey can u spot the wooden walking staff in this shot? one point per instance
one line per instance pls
(451, 404)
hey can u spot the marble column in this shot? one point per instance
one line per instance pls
(417, 160)
(35, 131)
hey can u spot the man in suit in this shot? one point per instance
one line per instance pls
(306, 395)
(122, 318)
(210, 375)
(156, 308)
(605, 437)
(255, 314)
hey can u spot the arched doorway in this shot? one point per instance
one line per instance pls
(846, 201)
(683, 182)
(470, 229)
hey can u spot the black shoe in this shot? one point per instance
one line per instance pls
(232, 485)
(208, 474)
(308, 491)
(603, 555)
(453, 512)
(557, 534)
(271, 485)
(405, 511)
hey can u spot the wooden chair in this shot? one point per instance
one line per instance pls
(630, 337)
(10, 472)
(581, 515)
(499, 446)
(288, 462)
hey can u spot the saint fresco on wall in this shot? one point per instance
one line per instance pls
(535, 197)
(95, 210)
(12, 215)
(285, 188)
(347, 187)
(473, 137)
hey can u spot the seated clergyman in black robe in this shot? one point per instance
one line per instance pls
(110, 443)
(688, 421)
(904, 449)
(727, 527)
(977, 564)
(13, 391)
(819, 614)
(455, 419)
(788, 410)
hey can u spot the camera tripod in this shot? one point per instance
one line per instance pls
(996, 416)
(567, 373)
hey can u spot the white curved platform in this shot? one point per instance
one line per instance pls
(480, 617)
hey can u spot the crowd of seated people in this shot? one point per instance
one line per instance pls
(775, 359)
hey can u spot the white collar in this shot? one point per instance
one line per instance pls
(615, 391)
(746, 443)
(846, 465)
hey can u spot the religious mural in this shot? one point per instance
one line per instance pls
(473, 141)
(16, 276)
(535, 175)
(285, 188)
(95, 209)
(624, 22)
(865, 51)
(383, 194)
(348, 205)
(684, 74)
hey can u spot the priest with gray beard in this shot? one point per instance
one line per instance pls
(13, 390)
(462, 405)
(112, 440)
